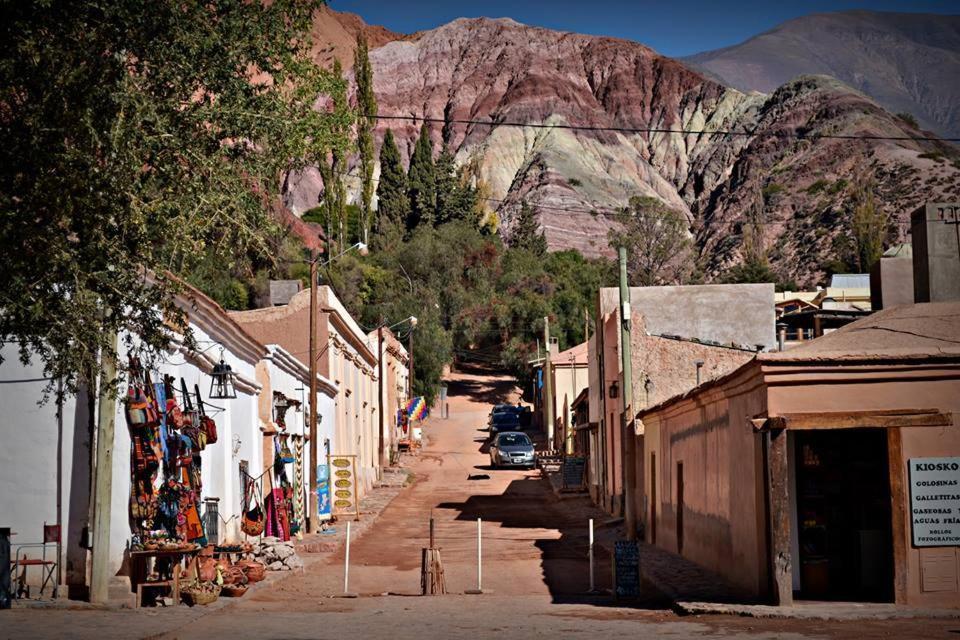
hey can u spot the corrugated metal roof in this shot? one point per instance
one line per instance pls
(850, 281)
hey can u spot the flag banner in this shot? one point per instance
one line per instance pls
(417, 409)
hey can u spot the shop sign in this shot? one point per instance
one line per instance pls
(323, 492)
(344, 486)
(935, 501)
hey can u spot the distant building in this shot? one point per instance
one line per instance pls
(673, 328)
(570, 377)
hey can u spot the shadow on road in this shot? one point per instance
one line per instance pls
(528, 504)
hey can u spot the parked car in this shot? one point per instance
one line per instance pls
(511, 449)
(503, 408)
(505, 421)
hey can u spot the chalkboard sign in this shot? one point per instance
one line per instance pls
(573, 471)
(626, 569)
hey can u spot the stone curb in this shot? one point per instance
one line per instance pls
(826, 611)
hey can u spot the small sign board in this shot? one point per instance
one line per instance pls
(343, 480)
(935, 501)
(626, 569)
(323, 492)
(573, 469)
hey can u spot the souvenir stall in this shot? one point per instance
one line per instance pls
(171, 554)
(168, 428)
(281, 521)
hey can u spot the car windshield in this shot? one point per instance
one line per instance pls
(513, 440)
(504, 408)
(506, 418)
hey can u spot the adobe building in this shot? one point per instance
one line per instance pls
(346, 356)
(673, 328)
(829, 471)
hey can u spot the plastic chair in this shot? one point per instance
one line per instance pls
(48, 568)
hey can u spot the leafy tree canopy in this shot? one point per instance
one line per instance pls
(142, 140)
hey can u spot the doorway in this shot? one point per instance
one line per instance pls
(680, 508)
(843, 515)
(653, 498)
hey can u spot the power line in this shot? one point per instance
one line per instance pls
(605, 212)
(799, 135)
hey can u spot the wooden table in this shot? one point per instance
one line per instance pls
(139, 571)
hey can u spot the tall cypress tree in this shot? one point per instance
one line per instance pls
(393, 205)
(447, 187)
(526, 232)
(367, 107)
(421, 182)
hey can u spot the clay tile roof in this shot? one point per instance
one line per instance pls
(930, 330)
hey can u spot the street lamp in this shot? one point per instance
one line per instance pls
(312, 519)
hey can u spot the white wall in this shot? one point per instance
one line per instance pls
(29, 468)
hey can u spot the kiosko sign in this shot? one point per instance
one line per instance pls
(935, 501)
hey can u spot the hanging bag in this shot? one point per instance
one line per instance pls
(253, 520)
(207, 425)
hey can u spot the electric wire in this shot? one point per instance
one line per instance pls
(795, 134)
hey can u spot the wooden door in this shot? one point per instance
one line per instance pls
(653, 498)
(680, 508)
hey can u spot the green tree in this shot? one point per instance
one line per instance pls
(421, 182)
(332, 170)
(138, 145)
(456, 196)
(526, 233)
(367, 107)
(657, 241)
(869, 226)
(393, 204)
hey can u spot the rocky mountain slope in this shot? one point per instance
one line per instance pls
(907, 62)
(334, 35)
(790, 192)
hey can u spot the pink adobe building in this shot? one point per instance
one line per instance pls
(829, 471)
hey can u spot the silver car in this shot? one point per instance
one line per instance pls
(511, 449)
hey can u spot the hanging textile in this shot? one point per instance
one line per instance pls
(299, 508)
(143, 422)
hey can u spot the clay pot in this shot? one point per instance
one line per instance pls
(255, 571)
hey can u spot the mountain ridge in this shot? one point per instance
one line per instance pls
(908, 62)
(732, 188)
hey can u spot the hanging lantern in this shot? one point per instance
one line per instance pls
(221, 382)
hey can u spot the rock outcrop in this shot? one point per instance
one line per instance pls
(750, 174)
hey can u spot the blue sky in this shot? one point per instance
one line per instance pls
(672, 27)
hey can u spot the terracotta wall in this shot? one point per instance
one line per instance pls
(723, 482)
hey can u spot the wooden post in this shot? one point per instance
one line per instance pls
(548, 403)
(313, 517)
(898, 505)
(103, 482)
(778, 518)
(626, 395)
(431, 568)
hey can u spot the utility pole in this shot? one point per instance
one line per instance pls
(548, 407)
(568, 417)
(629, 438)
(103, 483)
(312, 517)
(381, 400)
(410, 367)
